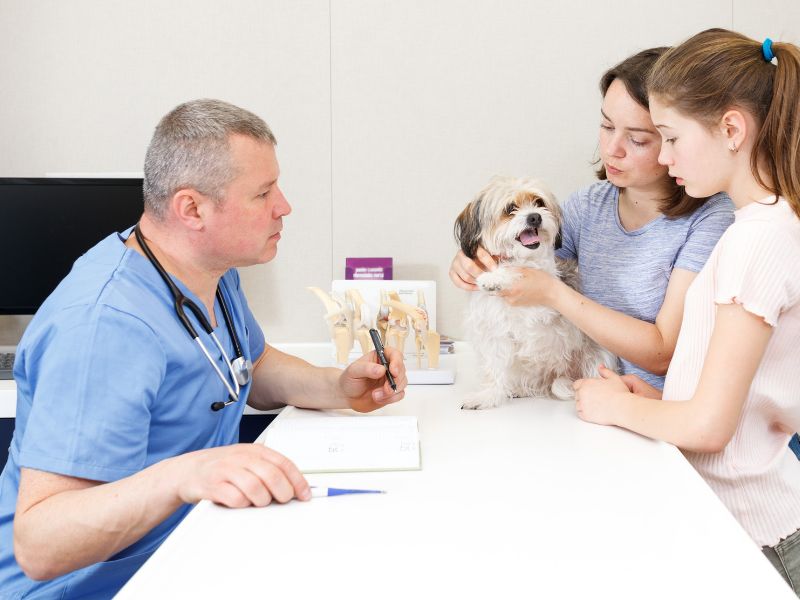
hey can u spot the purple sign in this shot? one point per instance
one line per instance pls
(368, 268)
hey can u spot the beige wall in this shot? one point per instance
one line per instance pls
(390, 115)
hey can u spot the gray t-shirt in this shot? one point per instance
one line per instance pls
(628, 271)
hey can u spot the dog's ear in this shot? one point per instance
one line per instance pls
(468, 228)
(558, 240)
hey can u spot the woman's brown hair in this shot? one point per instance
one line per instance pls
(717, 70)
(633, 73)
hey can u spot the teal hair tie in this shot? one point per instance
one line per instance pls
(766, 50)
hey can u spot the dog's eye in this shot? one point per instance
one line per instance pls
(539, 202)
(511, 209)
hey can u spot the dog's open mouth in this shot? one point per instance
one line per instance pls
(529, 238)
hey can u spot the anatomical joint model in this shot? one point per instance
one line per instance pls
(428, 338)
(351, 317)
(396, 321)
(339, 316)
(427, 341)
(382, 319)
(362, 321)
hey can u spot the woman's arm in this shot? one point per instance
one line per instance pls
(649, 345)
(707, 421)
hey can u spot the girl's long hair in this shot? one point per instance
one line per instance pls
(717, 70)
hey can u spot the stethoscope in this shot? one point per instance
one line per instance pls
(241, 369)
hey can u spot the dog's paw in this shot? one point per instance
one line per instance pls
(488, 282)
(495, 281)
(482, 399)
(475, 404)
(562, 389)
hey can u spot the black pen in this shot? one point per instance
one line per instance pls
(376, 341)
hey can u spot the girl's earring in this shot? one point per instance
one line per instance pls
(733, 147)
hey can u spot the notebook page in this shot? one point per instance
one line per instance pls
(337, 444)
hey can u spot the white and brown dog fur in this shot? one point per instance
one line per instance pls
(523, 350)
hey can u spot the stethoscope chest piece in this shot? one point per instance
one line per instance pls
(242, 370)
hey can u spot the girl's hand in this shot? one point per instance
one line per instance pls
(531, 288)
(597, 400)
(464, 271)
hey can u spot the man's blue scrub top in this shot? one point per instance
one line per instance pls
(108, 383)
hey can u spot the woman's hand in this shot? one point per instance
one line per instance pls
(597, 400)
(464, 271)
(531, 287)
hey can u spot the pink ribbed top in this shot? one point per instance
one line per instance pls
(756, 263)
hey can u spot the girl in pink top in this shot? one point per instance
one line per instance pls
(728, 112)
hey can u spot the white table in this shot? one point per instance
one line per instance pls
(8, 391)
(8, 399)
(521, 501)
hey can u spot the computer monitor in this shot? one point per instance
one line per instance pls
(47, 223)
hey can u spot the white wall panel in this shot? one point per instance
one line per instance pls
(776, 19)
(85, 82)
(432, 98)
(390, 115)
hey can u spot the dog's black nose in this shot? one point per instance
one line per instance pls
(534, 220)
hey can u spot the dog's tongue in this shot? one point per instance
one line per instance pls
(528, 237)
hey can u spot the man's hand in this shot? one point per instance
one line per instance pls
(596, 399)
(464, 271)
(65, 523)
(238, 476)
(363, 383)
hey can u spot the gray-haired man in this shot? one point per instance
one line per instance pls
(123, 420)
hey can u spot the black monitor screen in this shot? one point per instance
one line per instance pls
(47, 223)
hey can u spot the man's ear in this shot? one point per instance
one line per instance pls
(189, 207)
(734, 128)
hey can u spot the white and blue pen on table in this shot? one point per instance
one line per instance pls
(319, 492)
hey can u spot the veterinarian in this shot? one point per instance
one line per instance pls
(639, 239)
(123, 421)
(728, 112)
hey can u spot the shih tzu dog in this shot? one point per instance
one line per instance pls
(522, 350)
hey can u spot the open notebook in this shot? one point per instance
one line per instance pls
(342, 443)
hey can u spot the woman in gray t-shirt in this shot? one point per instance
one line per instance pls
(638, 238)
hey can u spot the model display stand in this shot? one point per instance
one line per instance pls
(396, 308)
